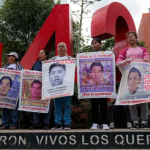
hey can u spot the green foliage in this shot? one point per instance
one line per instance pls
(141, 43)
(83, 4)
(20, 21)
(108, 44)
(75, 39)
(80, 115)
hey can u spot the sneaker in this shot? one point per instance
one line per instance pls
(135, 126)
(144, 125)
(46, 126)
(95, 126)
(111, 125)
(105, 127)
(33, 127)
(57, 127)
(67, 127)
(129, 125)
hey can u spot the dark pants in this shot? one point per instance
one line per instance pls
(99, 110)
(119, 112)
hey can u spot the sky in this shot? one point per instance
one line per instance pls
(135, 7)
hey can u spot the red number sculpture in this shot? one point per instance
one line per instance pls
(57, 28)
(113, 20)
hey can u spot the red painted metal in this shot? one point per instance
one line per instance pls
(113, 20)
(57, 28)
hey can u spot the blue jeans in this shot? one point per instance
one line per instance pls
(47, 117)
(67, 110)
(6, 117)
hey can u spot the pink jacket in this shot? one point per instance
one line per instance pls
(122, 55)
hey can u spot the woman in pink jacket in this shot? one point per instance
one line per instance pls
(134, 51)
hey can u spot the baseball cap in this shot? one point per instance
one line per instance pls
(12, 54)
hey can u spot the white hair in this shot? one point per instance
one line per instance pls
(63, 44)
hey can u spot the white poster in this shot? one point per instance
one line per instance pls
(9, 88)
(58, 78)
(31, 92)
(135, 82)
(96, 75)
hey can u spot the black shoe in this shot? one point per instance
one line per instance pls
(67, 127)
(144, 125)
(46, 126)
(57, 127)
(34, 126)
(135, 126)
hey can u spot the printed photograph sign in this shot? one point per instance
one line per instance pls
(58, 78)
(96, 75)
(9, 88)
(31, 91)
(135, 82)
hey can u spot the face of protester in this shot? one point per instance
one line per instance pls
(133, 82)
(96, 74)
(96, 45)
(42, 55)
(57, 75)
(11, 59)
(61, 48)
(132, 40)
(4, 87)
(35, 90)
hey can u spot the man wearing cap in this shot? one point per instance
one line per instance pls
(101, 102)
(13, 65)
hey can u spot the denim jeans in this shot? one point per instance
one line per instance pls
(7, 113)
(67, 110)
(47, 117)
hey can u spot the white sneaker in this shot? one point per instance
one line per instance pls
(111, 125)
(95, 126)
(129, 125)
(105, 127)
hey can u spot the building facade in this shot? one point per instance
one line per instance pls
(144, 30)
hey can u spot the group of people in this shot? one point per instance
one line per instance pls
(101, 112)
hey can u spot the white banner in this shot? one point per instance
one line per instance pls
(135, 82)
(9, 88)
(30, 92)
(96, 75)
(58, 78)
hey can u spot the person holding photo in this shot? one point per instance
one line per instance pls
(5, 85)
(136, 52)
(66, 101)
(36, 90)
(96, 74)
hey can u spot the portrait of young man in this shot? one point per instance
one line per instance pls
(5, 85)
(134, 80)
(57, 72)
(36, 87)
(96, 73)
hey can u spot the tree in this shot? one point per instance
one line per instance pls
(20, 21)
(75, 38)
(108, 44)
(79, 14)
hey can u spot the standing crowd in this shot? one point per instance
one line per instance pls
(102, 109)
